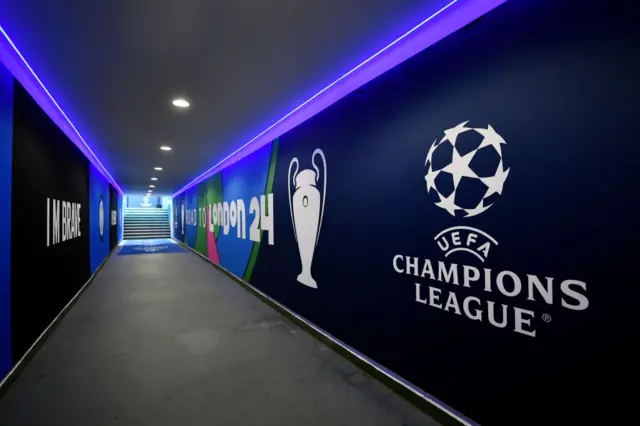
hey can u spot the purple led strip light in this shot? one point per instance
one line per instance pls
(458, 14)
(22, 71)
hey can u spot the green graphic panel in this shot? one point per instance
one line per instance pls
(268, 189)
(201, 237)
(214, 195)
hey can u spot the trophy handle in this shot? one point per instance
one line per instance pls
(319, 152)
(291, 181)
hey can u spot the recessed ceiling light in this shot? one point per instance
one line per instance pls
(152, 186)
(181, 103)
(154, 178)
(157, 168)
(165, 148)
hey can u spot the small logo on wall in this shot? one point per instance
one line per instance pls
(465, 176)
(101, 218)
(145, 201)
(182, 208)
(307, 210)
(466, 173)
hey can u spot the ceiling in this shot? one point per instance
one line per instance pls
(114, 67)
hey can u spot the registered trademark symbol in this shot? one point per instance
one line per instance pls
(546, 317)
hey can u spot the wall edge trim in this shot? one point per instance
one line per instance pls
(22, 72)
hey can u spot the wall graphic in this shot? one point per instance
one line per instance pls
(55, 219)
(307, 210)
(114, 217)
(99, 217)
(6, 135)
(144, 201)
(460, 219)
(49, 222)
(227, 217)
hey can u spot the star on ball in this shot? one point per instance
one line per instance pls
(491, 138)
(495, 183)
(434, 145)
(448, 203)
(459, 167)
(452, 134)
(477, 210)
(430, 177)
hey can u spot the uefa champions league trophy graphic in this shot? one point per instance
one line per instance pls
(307, 209)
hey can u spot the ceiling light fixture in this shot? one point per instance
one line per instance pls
(154, 178)
(458, 14)
(152, 186)
(181, 103)
(165, 148)
(16, 63)
(158, 169)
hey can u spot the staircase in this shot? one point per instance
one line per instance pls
(142, 223)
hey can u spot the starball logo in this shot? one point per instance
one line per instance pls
(101, 217)
(465, 176)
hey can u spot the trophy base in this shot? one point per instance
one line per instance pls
(307, 280)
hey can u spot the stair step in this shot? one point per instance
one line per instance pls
(144, 225)
(144, 238)
(140, 231)
(148, 235)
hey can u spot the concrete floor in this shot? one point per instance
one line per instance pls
(167, 339)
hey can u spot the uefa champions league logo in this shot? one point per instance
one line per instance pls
(465, 176)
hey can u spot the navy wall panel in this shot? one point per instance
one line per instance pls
(465, 220)
(50, 222)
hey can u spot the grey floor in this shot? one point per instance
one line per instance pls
(167, 339)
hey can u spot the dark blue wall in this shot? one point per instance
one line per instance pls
(49, 222)
(6, 135)
(49, 206)
(536, 328)
(99, 239)
(559, 82)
